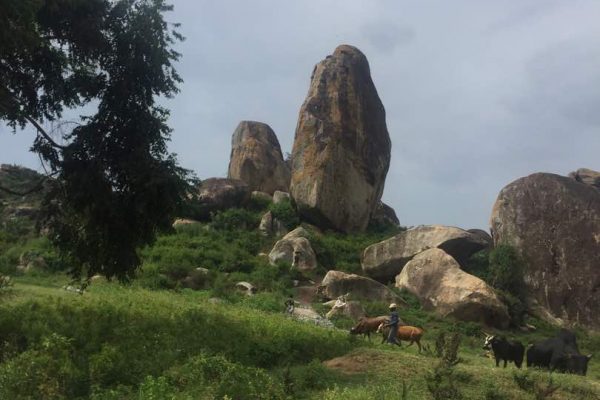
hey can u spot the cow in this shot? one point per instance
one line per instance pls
(558, 353)
(505, 350)
(407, 333)
(368, 325)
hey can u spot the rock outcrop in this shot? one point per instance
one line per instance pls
(342, 148)
(384, 215)
(483, 235)
(384, 260)
(256, 158)
(216, 194)
(338, 283)
(294, 249)
(554, 222)
(440, 285)
(271, 226)
(587, 176)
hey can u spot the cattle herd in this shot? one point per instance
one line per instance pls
(559, 353)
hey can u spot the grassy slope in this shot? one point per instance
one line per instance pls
(157, 330)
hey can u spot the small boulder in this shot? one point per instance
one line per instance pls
(271, 226)
(256, 158)
(307, 314)
(587, 176)
(349, 308)
(294, 249)
(217, 194)
(384, 260)
(261, 196)
(384, 215)
(184, 222)
(196, 279)
(338, 283)
(278, 196)
(440, 285)
(246, 288)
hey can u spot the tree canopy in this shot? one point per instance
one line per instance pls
(114, 184)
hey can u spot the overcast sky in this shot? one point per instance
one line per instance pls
(477, 93)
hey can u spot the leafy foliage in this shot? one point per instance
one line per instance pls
(116, 184)
(285, 212)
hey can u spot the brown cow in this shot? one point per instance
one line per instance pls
(408, 333)
(368, 325)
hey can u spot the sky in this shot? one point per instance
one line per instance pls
(477, 93)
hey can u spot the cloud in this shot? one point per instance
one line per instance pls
(477, 94)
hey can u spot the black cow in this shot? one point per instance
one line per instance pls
(558, 353)
(505, 350)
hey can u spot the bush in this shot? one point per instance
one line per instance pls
(441, 383)
(506, 270)
(285, 212)
(235, 218)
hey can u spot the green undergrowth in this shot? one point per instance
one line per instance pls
(58, 344)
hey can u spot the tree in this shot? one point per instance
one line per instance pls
(114, 185)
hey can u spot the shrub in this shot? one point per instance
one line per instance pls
(506, 270)
(285, 212)
(49, 371)
(235, 218)
(441, 383)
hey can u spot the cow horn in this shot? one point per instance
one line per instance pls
(589, 356)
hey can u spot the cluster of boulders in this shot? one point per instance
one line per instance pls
(335, 179)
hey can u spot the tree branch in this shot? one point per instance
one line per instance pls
(32, 121)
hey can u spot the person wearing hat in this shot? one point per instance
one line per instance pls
(393, 324)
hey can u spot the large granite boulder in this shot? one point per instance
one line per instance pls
(587, 176)
(217, 194)
(294, 249)
(384, 260)
(341, 151)
(554, 222)
(256, 158)
(338, 283)
(440, 285)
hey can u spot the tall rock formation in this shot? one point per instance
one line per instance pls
(256, 158)
(342, 147)
(554, 222)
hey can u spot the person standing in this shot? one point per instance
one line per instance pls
(393, 325)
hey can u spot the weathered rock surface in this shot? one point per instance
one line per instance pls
(338, 283)
(183, 222)
(256, 158)
(261, 196)
(486, 237)
(587, 176)
(280, 196)
(216, 194)
(348, 308)
(341, 151)
(384, 260)
(384, 215)
(294, 249)
(246, 288)
(554, 222)
(271, 226)
(439, 283)
(307, 314)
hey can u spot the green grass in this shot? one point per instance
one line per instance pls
(132, 343)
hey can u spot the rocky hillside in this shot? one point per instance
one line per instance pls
(21, 180)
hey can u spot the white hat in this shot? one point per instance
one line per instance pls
(393, 305)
